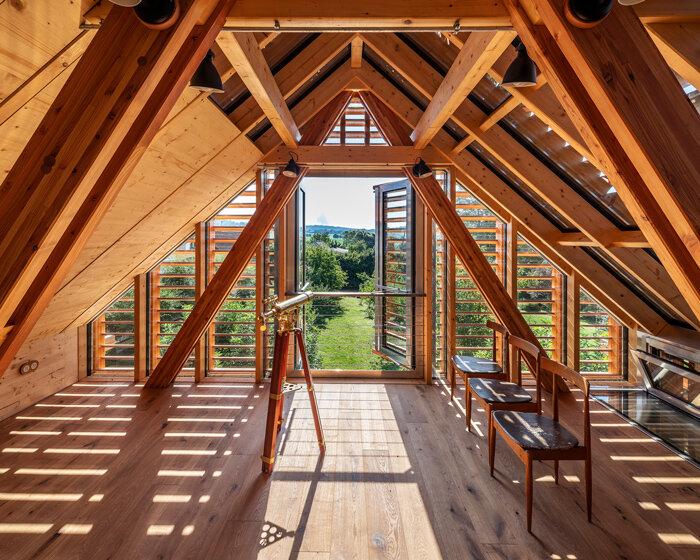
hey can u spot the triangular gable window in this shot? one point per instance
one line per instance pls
(355, 127)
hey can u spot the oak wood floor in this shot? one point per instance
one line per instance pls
(110, 470)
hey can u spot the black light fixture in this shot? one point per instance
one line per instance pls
(157, 14)
(206, 77)
(421, 169)
(587, 13)
(522, 72)
(292, 169)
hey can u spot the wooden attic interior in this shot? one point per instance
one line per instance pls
(132, 427)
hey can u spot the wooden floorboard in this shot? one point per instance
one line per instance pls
(107, 469)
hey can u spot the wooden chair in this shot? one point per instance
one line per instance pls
(497, 394)
(468, 366)
(535, 437)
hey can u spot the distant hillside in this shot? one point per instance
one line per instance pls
(332, 230)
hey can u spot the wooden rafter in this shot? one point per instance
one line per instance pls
(61, 185)
(538, 230)
(292, 76)
(679, 43)
(634, 239)
(454, 230)
(538, 177)
(635, 118)
(235, 263)
(476, 56)
(245, 55)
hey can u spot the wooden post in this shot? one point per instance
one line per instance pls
(512, 286)
(155, 317)
(82, 152)
(140, 327)
(451, 291)
(83, 356)
(259, 290)
(427, 301)
(573, 321)
(200, 282)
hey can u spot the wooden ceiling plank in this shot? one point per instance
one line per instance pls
(235, 263)
(679, 44)
(636, 120)
(44, 75)
(493, 192)
(632, 239)
(245, 55)
(542, 180)
(479, 53)
(74, 165)
(292, 76)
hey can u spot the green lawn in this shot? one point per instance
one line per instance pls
(348, 339)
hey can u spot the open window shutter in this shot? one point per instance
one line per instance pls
(394, 260)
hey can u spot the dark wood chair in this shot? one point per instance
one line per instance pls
(498, 394)
(469, 366)
(536, 437)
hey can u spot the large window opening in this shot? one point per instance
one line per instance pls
(358, 238)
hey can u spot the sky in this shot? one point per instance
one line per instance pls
(341, 201)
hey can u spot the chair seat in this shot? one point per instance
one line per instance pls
(469, 365)
(496, 391)
(535, 431)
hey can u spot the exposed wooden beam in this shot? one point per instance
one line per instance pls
(230, 270)
(372, 157)
(541, 179)
(356, 53)
(538, 230)
(679, 43)
(445, 215)
(636, 120)
(310, 105)
(81, 154)
(478, 54)
(214, 295)
(501, 111)
(633, 239)
(140, 327)
(245, 55)
(292, 76)
(409, 15)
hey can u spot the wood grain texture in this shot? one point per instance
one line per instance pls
(401, 478)
(635, 118)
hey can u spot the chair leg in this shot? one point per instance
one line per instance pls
(528, 491)
(492, 445)
(468, 406)
(556, 471)
(589, 488)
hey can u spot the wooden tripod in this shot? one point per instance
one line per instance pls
(279, 387)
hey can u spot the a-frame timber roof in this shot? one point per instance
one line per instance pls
(619, 212)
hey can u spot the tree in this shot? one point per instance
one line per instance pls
(323, 269)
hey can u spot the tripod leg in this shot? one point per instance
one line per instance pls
(274, 406)
(312, 392)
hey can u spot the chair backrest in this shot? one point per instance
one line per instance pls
(525, 347)
(503, 331)
(572, 376)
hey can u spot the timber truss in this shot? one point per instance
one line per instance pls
(605, 191)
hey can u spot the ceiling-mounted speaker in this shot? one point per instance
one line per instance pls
(126, 3)
(158, 14)
(587, 13)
